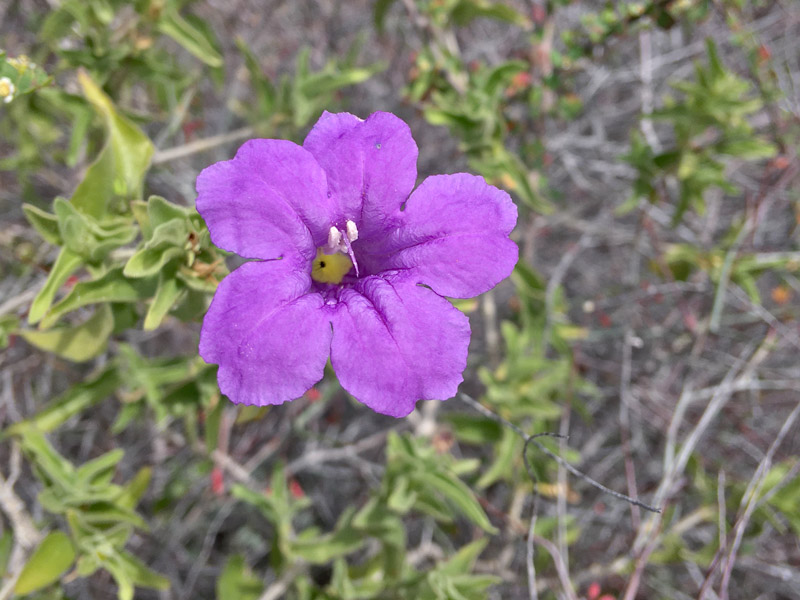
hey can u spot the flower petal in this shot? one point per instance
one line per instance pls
(371, 165)
(395, 342)
(268, 201)
(453, 237)
(270, 337)
(327, 130)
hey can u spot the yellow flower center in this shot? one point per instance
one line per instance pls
(5, 88)
(330, 268)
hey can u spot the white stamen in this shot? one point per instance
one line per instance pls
(334, 239)
(352, 231)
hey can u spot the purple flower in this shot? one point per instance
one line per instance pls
(351, 265)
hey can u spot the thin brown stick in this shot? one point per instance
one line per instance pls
(751, 494)
(531, 439)
(197, 146)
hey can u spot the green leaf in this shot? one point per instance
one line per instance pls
(78, 398)
(89, 238)
(317, 84)
(44, 223)
(139, 211)
(465, 11)
(501, 74)
(125, 588)
(170, 233)
(749, 149)
(78, 343)
(276, 504)
(106, 514)
(507, 450)
(8, 325)
(113, 286)
(50, 560)
(135, 488)
(167, 242)
(202, 288)
(169, 291)
(446, 118)
(23, 74)
(457, 492)
(67, 263)
(161, 211)
(401, 499)
(320, 550)
(6, 545)
(237, 582)
(190, 37)
(96, 190)
(122, 164)
(474, 429)
(465, 558)
(142, 575)
(667, 160)
(100, 470)
(260, 500)
(55, 467)
(149, 261)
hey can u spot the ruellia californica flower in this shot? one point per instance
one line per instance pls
(350, 263)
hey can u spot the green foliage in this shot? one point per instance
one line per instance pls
(450, 13)
(420, 478)
(237, 582)
(93, 222)
(118, 173)
(744, 269)
(175, 260)
(169, 387)
(479, 120)
(452, 579)
(24, 75)
(101, 517)
(619, 19)
(122, 45)
(49, 561)
(124, 259)
(781, 491)
(79, 342)
(114, 38)
(73, 402)
(296, 100)
(710, 123)
(477, 115)
(191, 33)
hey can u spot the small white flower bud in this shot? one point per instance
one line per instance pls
(7, 89)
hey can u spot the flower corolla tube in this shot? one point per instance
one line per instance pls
(350, 263)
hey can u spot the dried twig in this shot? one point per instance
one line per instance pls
(202, 145)
(750, 501)
(531, 439)
(278, 589)
(26, 534)
(533, 594)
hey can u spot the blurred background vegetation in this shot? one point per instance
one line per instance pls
(653, 317)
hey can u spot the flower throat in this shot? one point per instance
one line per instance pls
(335, 259)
